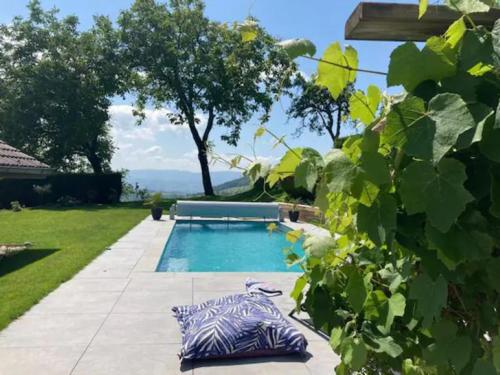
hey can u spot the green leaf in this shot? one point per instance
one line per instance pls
(468, 6)
(294, 235)
(340, 172)
(410, 369)
(337, 69)
(496, 352)
(422, 7)
(408, 127)
(364, 107)
(286, 166)
(466, 240)
(495, 34)
(356, 290)
(259, 132)
(376, 168)
(298, 47)
(452, 118)
(296, 293)
(379, 220)
(497, 116)
(306, 175)
(484, 367)
(364, 190)
(455, 32)
(317, 246)
(476, 53)
(336, 337)
(409, 66)
(387, 345)
(481, 114)
(431, 297)
(248, 30)
(495, 191)
(354, 353)
(448, 346)
(490, 141)
(437, 192)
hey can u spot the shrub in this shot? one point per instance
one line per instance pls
(16, 206)
(86, 188)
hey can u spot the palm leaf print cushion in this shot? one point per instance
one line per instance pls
(239, 325)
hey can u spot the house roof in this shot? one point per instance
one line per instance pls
(15, 162)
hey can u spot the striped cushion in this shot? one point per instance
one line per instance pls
(236, 326)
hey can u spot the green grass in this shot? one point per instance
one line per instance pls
(64, 241)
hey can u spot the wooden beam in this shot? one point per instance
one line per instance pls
(399, 22)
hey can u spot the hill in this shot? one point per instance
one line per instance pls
(175, 182)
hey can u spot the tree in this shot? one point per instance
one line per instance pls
(199, 68)
(55, 84)
(317, 109)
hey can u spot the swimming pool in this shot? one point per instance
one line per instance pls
(220, 246)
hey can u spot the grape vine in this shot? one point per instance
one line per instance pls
(410, 279)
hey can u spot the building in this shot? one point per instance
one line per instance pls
(16, 164)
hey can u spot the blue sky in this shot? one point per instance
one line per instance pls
(159, 145)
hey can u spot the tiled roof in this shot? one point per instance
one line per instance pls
(11, 157)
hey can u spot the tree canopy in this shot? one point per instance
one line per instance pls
(317, 110)
(202, 71)
(55, 85)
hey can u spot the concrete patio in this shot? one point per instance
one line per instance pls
(114, 317)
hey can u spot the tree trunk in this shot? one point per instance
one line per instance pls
(95, 163)
(205, 171)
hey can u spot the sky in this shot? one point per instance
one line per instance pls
(157, 144)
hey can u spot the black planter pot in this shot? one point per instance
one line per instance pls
(294, 216)
(156, 212)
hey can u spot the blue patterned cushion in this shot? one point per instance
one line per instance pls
(237, 325)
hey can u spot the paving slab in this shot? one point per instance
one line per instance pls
(40, 361)
(114, 317)
(131, 360)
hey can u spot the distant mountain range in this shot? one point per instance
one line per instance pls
(181, 183)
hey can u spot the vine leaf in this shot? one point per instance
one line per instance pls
(379, 220)
(364, 107)
(286, 166)
(495, 34)
(439, 192)
(356, 290)
(431, 297)
(452, 118)
(354, 353)
(468, 6)
(490, 141)
(296, 293)
(495, 192)
(298, 47)
(481, 114)
(448, 346)
(483, 367)
(409, 128)
(337, 69)
(248, 30)
(340, 172)
(455, 32)
(422, 7)
(409, 66)
(466, 240)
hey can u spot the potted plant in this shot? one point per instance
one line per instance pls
(294, 213)
(154, 201)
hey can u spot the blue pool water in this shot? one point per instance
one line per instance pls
(218, 246)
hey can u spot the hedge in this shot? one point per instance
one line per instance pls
(82, 187)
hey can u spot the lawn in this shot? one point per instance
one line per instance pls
(64, 241)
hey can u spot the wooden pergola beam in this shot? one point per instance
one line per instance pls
(399, 22)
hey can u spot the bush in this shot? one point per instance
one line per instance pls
(82, 187)
(15, 206)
